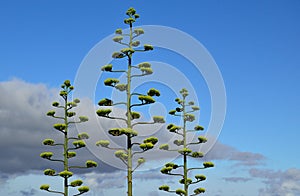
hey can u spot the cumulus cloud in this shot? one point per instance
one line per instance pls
(236, 179)
(24, 126)
(278, 183)
(28, 193)
(225, 152)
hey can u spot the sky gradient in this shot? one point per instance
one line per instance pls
(255, 44)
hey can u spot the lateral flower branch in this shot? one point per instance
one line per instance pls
(132, 46)
(68, 151)
(184, 111)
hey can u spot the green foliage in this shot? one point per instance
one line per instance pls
(121, 87)
(173, 165)
(136, 43)
(146, 71)
(166, 170)
(51, 113)
(117, 55)
(83, 189)
(139, 31)
(146, 146)
(46, 155)
(152, 140)
(45, 187)
(105, 102)
(197, 154)
(90, 163)
(48, 142)
(200, 177)
(153, 92)
(172, 112)
(164, 147)
(121, 154)
(111, 82)
(72, 104)
(135, 115)
(71, 114)
(118, 31)
(198, 128)
(103, 112)
(146, 99)
(83, 136)
(148, 47)
(76, 100)
(158, 119)
(60, 127)
(202, 139)
(127, 51)
(71, 155)
(164, 188)
(185, 151)
(208, 164)
(103, 143)
(141, 160)
(76, 183)
(189, 117)
(83, 118)
(120, 131)
(195, 108)
(49, 172)
(107, 67)
(66, 174)
(55, 104)
(188, 181)
(79, 144)
(199, 190)
(117, 39)
(144, 65)
(178, 142)
(173, 128)
(180, 192)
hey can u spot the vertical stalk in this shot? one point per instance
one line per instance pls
(184, 146)
(66, 147)
(129, 143)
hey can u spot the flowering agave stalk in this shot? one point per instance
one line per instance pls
(68, 152)
(184, 111)
(133, 147)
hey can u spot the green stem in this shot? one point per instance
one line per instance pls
(185, 169)
(129, 142)
(66, 141)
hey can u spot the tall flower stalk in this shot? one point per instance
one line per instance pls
(184, 111)
(66, 120)
(132, 46)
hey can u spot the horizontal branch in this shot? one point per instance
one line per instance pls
(120, 103)
(118, 71)
(193, 143)
(138, 75)
(143, 123)
(193, 168)
(173, 174)
(58, 117)
(78, 167)
(56, 160)
(58, 192)
(140, 104)
(115, 118)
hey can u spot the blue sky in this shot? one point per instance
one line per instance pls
(254, 43)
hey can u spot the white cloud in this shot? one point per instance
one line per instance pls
(279, 183)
